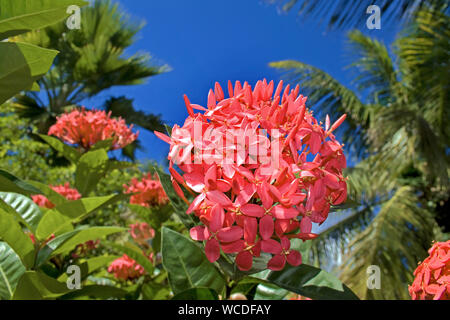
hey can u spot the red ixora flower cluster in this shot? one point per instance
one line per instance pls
(149, 192)
(65, 190)
(125, 268)
(433, 275)
(86, 128)
(141, 232)
(247, 206)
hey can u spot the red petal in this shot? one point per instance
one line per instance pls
(196, 203)
(218, 197)
(212, 250)
(217, 218)
(280, 212)
(305, 225)
(252, 210)
(271, 246)
(276, 263)
(266, 227)
(230, 234)
(294, 258)
(244, 260)
(198, 233)
(233, 247)
(250, 229)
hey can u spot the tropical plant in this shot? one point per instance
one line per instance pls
(22, 64)
(351, 14)
(397, 126)
(92, 60)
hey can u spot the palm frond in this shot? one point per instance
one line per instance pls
(123, 107)
(424, 52)
(376, 74)
(396, 240)
(351, 14)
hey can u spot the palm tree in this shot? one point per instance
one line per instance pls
(398, 128)
(91, 60)
(351, 14)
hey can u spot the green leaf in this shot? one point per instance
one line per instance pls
(70, 153)
(27, 211)
(187, 265)
(92, 233)
(178, 204)
(21, 64)
(58, 218)
(91, 167)
(155, 291)
(11, 269)
(136, 254)
(36, 286)
(12, 234)
(197, 294)
(20, 16)
(269, 291)
(68, 241)
(310, 282)
(11, 183)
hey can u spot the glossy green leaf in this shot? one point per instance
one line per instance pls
(11, 269)
(68, 241)
(56, 219)
(88, 234)
(10, 183)
(12, 234)
(187, 265)
(20, 16)
(269, 291)
(310, 282)
(91, 167)
(36, 286)
(21, 64)
(70, 153)
(197, 294)
(24, 207)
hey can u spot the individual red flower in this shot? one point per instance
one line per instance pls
(149, 192)
(87, 127)
(125, 268)
(65, 190)
(261, 168)
(141, 232)
(432, 276)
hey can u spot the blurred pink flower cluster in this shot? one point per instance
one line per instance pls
(65, 190)
(433, 275)
(86, 128)
(262, 169)
(125, 268)
(149, 192)
(141, 232)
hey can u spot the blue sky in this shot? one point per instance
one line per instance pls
(204, 41)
